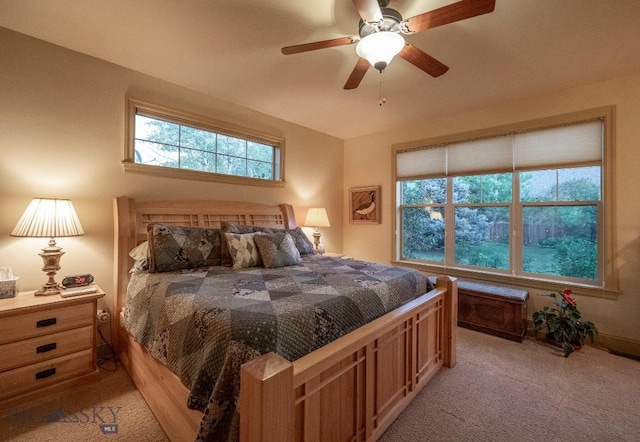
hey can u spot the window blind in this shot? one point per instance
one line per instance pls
(490, 154)
(577, 143)
(422, 162)
(548, 147)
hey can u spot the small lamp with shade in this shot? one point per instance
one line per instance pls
(317, 217)
(49, 218)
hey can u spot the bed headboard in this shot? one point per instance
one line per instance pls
(131, 218)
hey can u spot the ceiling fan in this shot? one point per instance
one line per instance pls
(380, 36)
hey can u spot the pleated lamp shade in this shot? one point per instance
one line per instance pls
(48, 218)
(317, 217)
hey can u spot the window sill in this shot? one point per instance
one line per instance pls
(166, 172)
(517, 281)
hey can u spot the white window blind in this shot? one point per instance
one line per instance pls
(490, 154)
(577, 143)
(422, 162)
(550, 147)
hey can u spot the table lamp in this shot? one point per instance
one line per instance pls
(317, 217)
(49, 218)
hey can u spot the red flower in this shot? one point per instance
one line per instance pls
(566, 294)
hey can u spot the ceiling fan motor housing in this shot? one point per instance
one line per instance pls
(391, 20)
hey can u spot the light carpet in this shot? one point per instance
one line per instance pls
(499, 391)
(110, 409)
(506, 391)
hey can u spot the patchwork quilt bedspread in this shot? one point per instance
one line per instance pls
(204, 323)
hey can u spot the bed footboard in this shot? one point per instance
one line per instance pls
(353, 388)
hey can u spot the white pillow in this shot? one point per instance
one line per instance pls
(140, 255)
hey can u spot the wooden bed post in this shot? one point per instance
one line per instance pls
(289, 218)
(124, 239)
(449, 284)
(266, 400)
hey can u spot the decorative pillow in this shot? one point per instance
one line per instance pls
(178, 247)
(140, 255)
(302, 242)
(229, 227)
(243, 249)
(277, 249)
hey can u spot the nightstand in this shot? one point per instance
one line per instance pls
(47, 344)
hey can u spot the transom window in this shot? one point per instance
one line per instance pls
(527, 204)
(161, 139)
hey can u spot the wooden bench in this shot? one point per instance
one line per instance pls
(492, 309)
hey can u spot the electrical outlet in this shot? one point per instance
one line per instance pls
(103, 316)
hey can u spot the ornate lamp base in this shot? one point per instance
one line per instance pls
(316, 242)
(48, 289)
(51, 258)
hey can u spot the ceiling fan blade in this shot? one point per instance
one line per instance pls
(357, 74)
(369, 10)
(422, 60)
(288, 50)
(448, 14)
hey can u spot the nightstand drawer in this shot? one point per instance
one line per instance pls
(29, 325)
(17, 354)
(35, 376)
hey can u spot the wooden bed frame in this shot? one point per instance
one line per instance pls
(349, 390)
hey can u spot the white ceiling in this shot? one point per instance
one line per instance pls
(231, 50)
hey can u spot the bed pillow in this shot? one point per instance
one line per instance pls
(229, 227)
(177, 247)
(302, 242)
(277, 249)
(140, 255)
(243, 249)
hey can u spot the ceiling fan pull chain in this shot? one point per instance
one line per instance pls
(382, 99)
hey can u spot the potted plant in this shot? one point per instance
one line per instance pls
(563, 322)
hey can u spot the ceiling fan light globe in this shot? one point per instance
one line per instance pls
(379, 48)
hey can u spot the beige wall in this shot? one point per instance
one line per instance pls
(62, 136)
(370, 156)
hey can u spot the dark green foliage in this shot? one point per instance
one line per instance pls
(577, 258)
(557, 239)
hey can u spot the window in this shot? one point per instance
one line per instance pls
(524, 203)
(171, 143)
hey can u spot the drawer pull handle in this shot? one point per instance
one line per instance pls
(46, 322)
(46, 347)
(45, 373)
